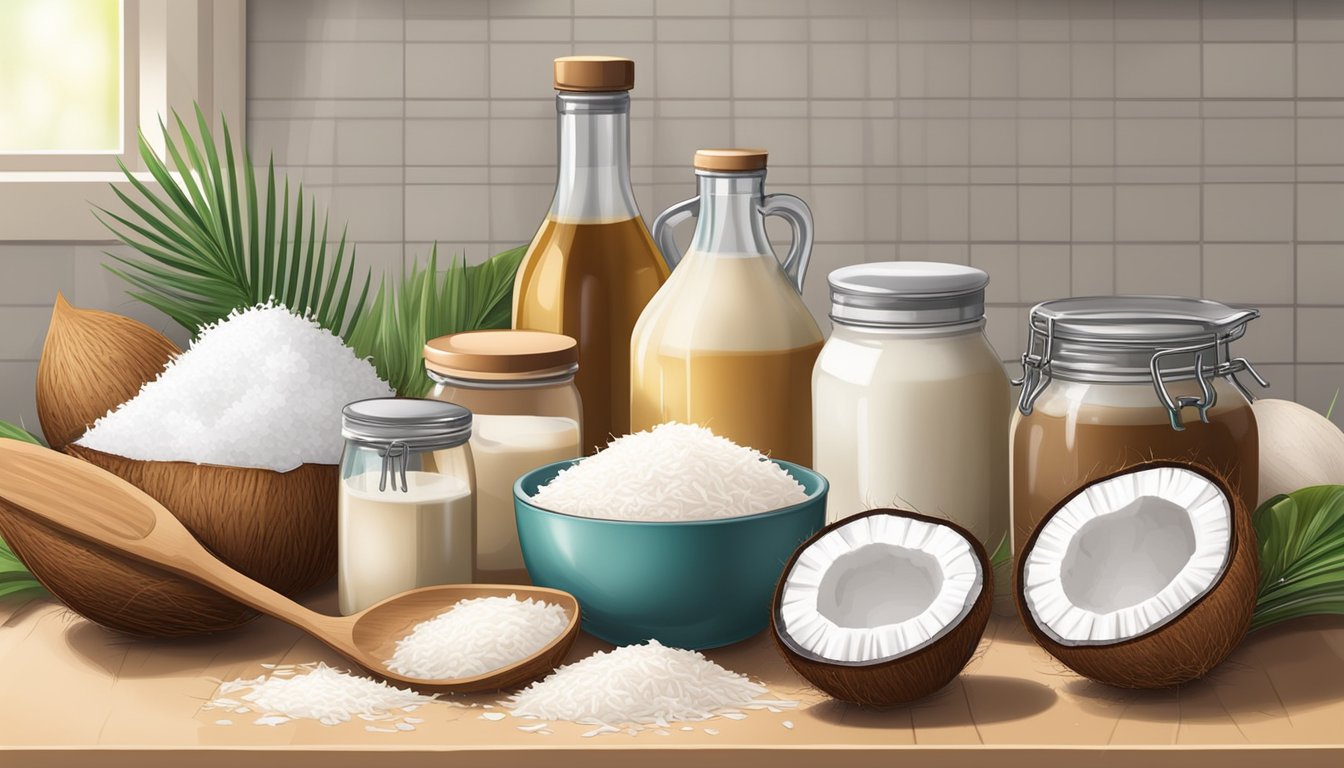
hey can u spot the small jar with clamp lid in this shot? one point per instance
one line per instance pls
(1113, 381)
(407, 510)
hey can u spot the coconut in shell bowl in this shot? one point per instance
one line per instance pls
(252, 390)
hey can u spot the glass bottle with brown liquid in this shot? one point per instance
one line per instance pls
(728, 342)
(592, 266)
(1112, 382)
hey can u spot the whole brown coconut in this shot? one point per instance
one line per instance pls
(903, 678)
(92, 362)
(1187, 646)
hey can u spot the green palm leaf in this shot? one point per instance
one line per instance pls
(1301, 538)
(211, 244)
(429, 303)
(15, 580)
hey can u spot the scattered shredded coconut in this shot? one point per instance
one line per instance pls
(477, 636)
(261, 388)
(317, 692)
(671, 472)
(645, 684)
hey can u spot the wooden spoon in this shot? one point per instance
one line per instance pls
(100, 507)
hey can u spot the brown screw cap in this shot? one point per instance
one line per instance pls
(594, 73)
(501, 355)
(730, 160)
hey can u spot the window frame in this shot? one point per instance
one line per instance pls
(130, 109)
(184, 51)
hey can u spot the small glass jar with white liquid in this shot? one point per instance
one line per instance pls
(407, 509)
(519, 386)
(910, 403)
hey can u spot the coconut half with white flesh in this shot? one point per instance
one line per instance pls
(884, 607)
(1143, 579)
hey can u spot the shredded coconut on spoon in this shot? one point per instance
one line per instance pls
(477, 636)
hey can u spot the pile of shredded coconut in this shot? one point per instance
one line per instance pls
(671, 472)
(322, 693)
(261, 388)
(648, 684)
(477, 636)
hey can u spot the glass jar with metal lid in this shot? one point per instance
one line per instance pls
(1112, 381)
(910, 402)
(407, 502)
(519, 385)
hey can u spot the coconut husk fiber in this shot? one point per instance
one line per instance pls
(91, 363)
(1190, 645)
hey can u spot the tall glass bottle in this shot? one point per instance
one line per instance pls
(728, 342)
(592, 266)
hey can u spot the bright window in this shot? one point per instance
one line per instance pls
(62, 85)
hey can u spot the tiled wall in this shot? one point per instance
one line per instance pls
(1066, 147)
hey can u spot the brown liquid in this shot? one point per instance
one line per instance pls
(591, 281)
(761, 399)
(1051, 461)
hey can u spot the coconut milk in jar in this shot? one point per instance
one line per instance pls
(406, 513)
(727, 343)
(519, 387)
(910, 402)
(1113, 381)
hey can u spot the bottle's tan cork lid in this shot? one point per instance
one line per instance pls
(594, 73)
(730, 160)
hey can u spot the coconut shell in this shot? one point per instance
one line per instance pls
(904, 679)
(278, 528)
(91, 363)
(1185, 648)
(113, 590)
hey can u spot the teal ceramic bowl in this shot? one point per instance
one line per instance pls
(697, 584)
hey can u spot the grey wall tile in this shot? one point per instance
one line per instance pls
(1253, 274)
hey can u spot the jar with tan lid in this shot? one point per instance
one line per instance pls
(519, 386)
(728, 343)
(1110, 382)
(592, 266)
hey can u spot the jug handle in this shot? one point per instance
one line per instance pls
(662, 228)
(793, 210)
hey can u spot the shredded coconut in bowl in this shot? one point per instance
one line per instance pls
(673, 472)
(261, 388)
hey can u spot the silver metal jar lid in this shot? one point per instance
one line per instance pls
(907, 293)
(1136, 340)
(416, 423)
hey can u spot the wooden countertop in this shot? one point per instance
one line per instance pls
(75, 694)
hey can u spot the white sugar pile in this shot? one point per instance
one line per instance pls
(317, 692)
(477, 636)
(648, 684)
(671, 472)
(261, 388)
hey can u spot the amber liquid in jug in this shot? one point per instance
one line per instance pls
(592, 265)
(728, 343)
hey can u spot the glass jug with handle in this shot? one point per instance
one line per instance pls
(727, 342)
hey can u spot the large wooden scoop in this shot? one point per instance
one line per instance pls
(100, 507)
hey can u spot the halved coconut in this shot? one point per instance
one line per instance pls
(884, 607)
(1143, 579)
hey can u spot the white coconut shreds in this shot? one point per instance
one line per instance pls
(647, 684)
(671, 472)
(477, 636)
(318, 692)
(261, 388)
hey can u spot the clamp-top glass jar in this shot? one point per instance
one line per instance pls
(1110, 382)
(407, 509)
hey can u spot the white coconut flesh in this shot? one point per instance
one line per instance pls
(1127, 555)
(879, 588)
